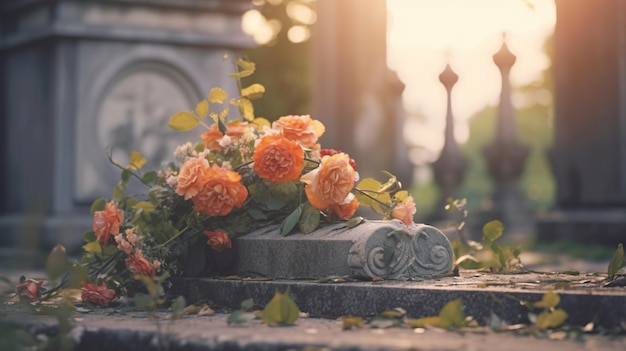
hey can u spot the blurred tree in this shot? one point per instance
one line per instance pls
(282, 29)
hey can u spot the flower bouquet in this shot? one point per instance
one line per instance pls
(240, 175)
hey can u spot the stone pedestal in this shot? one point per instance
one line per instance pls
(589, 152)
(78, 76)
(384, 249)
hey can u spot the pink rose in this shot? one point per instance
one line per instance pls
(96, 295)
(30, 289)
(218, 241)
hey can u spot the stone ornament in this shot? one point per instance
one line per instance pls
(395, 251)
(372, 249)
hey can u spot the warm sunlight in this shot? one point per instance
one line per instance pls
(424, 35)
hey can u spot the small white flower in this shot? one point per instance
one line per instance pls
(225, 141)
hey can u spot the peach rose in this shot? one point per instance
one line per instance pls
(278, 159)
(192, 177)
(221, 192)
(347, 208)
(301, 129)
(96, 295)
(218, 240)
(405, 210)
(331, 182)
(107, 222)
(137, 264)
(30, 289)
(213, 136)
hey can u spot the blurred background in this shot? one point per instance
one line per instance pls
(518, 106)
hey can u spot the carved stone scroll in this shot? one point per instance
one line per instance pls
(385, 249)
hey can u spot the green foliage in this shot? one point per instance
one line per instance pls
(617, 261)
(450, 316)
(281, 310)
(549, 315)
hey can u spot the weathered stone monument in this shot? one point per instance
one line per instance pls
(80, 76)
(589, 152)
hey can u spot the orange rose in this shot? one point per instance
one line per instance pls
(331, 182)
(30, 289)
(107, 222)
(218, 240)
(347, 208)
(213, 136)
(221, 192)
(278, 159)
(137, 264)
(301, 129)
(96, 295)
(405, 210)
(192, 177)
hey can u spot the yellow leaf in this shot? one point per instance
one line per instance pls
(400, 196)
(452, 314)
(136, 160)
(202, 108)
(183, 121)
(548, 300)
(423, 322)
(144, 205)
(253, 91)
(93, 246)
(245, 69)
(551, 319)
(245, 108)
(217, 95)
(352, 322)
(261, 122)
(224, 113)
(280, 310)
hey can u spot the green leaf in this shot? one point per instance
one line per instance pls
(366, 184)
(247, 304)
(126, 174)
(284, 191)
(493, 230)
(217, 95)
(280, 310)
(310, 218)
(551, 319)
(617, 261)
(239, 317)
(221, 125)
(57, 263)
(291, 221)
(178, 307)
(183, 121)
(254, 91)
(149, 177)
(89, 236)
(136, 160)
(144, 205)
(202, 108)
(452, 314)
(98, 205)
(549, 300)
(354, 221)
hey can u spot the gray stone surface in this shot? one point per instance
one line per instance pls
(385, 249)
(77, 76)
(127, 329)
(584, 298)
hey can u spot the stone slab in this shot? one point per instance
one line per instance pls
(385, 249)
(590, 225)
(585, 299)
(106, 330)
